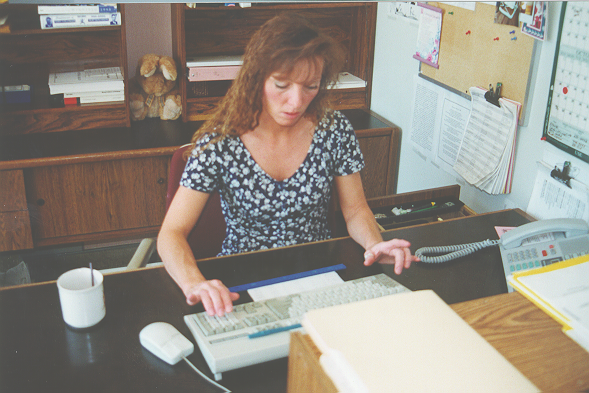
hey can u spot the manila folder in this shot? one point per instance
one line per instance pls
(411, 341)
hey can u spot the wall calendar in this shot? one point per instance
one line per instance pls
(566, 125)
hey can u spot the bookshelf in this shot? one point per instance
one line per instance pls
(215, 29)
(26, 54)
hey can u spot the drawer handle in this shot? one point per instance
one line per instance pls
(161, 180)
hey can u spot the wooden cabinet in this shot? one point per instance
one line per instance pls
(79, 200)
(26, 56)
(214, 29)
(15, 226)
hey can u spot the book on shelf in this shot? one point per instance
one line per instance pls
(216, 73)
(70, 101)
(95, 93)
(348, 81)
(411, 341)
(61, 21)
(19, 94)
(87, 97)
(214, 61)
(57, 9)
(98, 79)
(99, 99)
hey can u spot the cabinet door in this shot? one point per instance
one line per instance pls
(97, 197)
(15, 226)
(379, 174)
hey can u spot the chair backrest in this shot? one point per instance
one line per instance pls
(209, 232)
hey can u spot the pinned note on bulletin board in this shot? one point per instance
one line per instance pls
(567, 116)
(476, 51)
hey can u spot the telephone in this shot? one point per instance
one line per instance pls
(532, 245)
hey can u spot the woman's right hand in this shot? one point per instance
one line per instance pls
(214, 295)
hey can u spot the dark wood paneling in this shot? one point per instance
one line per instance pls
(376, 157)
(15, 226)
(12, 191)
(56, 120)
(15, 231)
(97, 197)
(60, 47)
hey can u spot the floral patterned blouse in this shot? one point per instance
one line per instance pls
(261, 212)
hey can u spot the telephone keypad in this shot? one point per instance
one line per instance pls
(530, 258)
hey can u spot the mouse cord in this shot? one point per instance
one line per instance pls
(453, 252)
(205, 377)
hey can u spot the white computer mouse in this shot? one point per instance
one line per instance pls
(166, 342)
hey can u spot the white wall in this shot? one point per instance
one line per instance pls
(393, 90)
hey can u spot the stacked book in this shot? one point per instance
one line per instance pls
(213, 68)
(88, 86)
(223, 68)
(59, 16)
(211, 76)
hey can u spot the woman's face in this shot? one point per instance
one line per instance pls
(287, 96)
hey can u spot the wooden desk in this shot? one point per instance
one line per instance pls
(526, 336)
(39, 353)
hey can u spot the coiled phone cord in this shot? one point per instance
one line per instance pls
(452, 252)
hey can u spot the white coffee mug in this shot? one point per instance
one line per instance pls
(82, 301)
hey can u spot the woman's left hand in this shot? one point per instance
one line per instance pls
(393, 252)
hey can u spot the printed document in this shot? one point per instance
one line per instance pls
(485, 158)
(438, 123)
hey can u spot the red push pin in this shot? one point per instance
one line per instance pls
(565, 90)
(468, 32)
(496, 39)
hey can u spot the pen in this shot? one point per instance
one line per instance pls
(276, 330)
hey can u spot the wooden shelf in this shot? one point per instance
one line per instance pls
(26, 56)
(220, 30)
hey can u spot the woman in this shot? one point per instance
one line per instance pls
(274, 151)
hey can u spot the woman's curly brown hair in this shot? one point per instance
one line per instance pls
(276, 47)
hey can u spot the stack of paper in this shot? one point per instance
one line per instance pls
(408, 342)
(89, 85)
(486, 154)
(347, 81)
(562, 291)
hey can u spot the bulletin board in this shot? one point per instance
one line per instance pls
(476, 51)
(566, 124)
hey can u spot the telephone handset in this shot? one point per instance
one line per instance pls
(555, 240)
(571, 227)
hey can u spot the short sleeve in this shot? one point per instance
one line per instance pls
(203, 171)
(349, 158)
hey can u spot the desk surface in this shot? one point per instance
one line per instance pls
(38, 352)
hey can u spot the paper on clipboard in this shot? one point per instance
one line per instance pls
(439, 119)
(553, 199)
(485, 158)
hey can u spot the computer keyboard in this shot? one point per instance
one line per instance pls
(257, 332)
